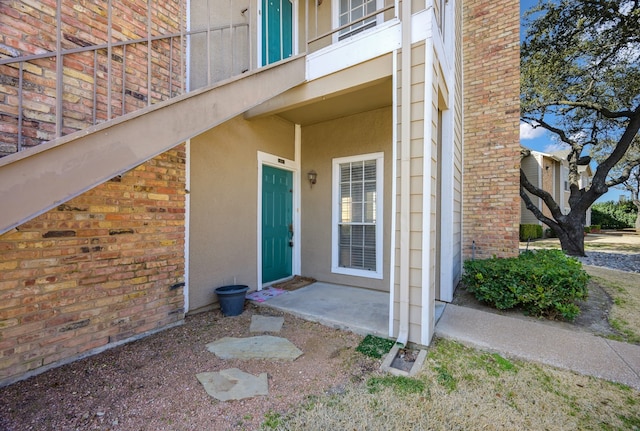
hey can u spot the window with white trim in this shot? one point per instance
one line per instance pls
(353, 10)
(357, 215)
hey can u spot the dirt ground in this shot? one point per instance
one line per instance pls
(151, 384)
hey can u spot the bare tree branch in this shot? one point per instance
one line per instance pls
(544, 195)
(534, 209)
(593, 106)
(541, 123)
(600, 177)
(624, 174)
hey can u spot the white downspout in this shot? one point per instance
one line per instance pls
(405, 178)
(394, 182)
(297, 201)
(187, 212)
(394, 191)
(428, 300)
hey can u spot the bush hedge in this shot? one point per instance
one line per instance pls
(541, 283)
(614, 215)
(530, 231)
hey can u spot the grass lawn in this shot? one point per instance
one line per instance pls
(461, 388)
(627, 243)
(622, 287)
(624, 290)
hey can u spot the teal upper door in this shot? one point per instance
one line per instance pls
(277, 223)
(277, 30)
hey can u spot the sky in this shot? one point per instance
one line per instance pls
(541, 140)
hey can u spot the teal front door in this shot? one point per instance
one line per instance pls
(277, 223)
(277, 30)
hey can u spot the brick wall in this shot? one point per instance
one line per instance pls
(29, 27)
(491, 201)
(104, 267)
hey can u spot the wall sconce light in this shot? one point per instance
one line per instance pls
(312, 176)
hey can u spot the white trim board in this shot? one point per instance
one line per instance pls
(288, 165)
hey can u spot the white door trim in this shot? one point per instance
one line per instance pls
(287, 165)
(294, 29)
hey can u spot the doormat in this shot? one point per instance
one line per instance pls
(264, 294)
(295, 283)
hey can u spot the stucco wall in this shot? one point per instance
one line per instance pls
(229, 42)
(224, 201)
(363, 133)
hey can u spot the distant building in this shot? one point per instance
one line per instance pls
(550, 172)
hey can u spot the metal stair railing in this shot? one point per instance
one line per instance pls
(114, 90)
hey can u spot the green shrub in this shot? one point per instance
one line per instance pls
(550, 233)
(541, 283)
(530, 231)
(614, 215)
(587, 229)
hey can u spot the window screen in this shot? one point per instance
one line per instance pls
(357, 215)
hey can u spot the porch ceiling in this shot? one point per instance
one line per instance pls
(360, 88)
(342, 105)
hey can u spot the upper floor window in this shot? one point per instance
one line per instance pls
(352, 11)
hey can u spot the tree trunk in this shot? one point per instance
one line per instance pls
(572, 239)
(638, 217)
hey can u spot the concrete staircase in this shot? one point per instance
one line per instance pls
(37, 180)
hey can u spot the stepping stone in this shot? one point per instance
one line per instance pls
(233, 384)
(260, 347)
(266, 323)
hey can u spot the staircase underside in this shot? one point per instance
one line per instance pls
(37, 180)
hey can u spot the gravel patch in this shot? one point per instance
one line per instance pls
(151, 384)
(627, 262)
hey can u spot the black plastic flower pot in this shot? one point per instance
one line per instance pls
(231, 299)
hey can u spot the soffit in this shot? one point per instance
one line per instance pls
(358, 88)
(345, 104)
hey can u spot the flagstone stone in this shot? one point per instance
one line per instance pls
(258, 347)
(266, 323)
(233, 384)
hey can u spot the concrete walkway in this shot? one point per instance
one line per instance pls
(579, 351)
(367, 312)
